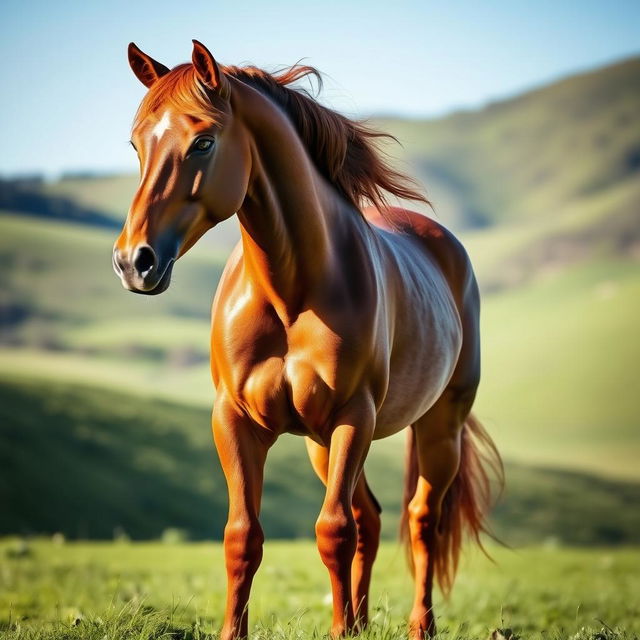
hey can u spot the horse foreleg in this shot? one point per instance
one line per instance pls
(366, 513)
(242, 455)
(336, 529)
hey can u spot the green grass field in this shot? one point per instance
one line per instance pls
(118, 591)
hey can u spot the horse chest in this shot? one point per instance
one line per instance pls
(311, 395)
(287, 394)
(285, 380)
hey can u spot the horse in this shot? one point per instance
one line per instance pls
(338, 317)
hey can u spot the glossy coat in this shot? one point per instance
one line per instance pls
(332, 320)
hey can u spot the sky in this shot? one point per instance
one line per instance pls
(69, 97)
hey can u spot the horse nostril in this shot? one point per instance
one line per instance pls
(144, 261)
(118, 261)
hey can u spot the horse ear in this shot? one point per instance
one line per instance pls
(146, 69)
(208, 71)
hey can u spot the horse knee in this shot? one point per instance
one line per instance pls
(336, 535)
(243, 540)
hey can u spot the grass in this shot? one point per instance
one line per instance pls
(112, 591)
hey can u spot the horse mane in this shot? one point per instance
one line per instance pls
(346, 152)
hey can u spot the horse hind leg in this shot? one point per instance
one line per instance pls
(435, 450)
(366, 512)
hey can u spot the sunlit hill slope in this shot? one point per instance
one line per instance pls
(108, 393)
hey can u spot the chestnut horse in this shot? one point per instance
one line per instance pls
(334, 321)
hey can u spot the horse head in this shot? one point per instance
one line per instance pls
(194, 166)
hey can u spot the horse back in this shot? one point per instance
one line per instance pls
(440, 243)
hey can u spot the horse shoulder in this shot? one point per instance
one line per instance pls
(247, 338)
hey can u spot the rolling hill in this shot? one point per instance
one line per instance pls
(89, 462)
(528, 157)
(543, 189)
(557, 170)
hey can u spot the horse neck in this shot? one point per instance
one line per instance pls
(291, 219)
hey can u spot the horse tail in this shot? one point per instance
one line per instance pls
(466, 503)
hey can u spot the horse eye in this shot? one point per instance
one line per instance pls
(203, 144)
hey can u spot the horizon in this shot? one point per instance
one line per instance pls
(471, 57)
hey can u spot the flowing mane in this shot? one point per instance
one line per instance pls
(345, 151)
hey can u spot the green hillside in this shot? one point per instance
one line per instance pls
(559, 360)
(558, 263)
(64, 314)
(88, 462)
(112, 195)
(530, 156)
(550, 177)
(553, 388)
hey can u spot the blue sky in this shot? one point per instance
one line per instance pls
(69, 96)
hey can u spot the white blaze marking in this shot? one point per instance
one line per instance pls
(162, 126)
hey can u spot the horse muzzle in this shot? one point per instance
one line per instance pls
(142, 270)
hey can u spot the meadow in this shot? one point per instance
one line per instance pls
(121, 591)
(105, 400)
